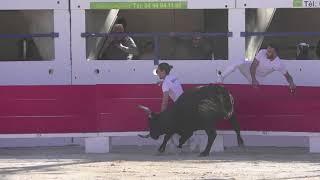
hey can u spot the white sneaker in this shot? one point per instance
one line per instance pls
(220, 78)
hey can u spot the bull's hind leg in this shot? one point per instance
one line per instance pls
(184, 138)
(166, 138)
(212, 134)
(236, 128)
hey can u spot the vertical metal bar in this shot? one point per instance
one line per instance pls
(24, 49)
(156, 49)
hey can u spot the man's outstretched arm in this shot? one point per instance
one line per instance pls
(290, 80)
(253, 69)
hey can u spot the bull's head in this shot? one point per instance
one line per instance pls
(154, 122)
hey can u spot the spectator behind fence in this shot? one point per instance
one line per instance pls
(121, 47)
(197, 48)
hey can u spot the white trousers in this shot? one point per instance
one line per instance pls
(244, 68)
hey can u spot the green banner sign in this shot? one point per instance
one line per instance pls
(306, 3)
(139, 5)
(297, 3)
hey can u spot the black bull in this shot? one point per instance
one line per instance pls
(200, 108)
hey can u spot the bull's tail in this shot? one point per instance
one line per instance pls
(229, 115)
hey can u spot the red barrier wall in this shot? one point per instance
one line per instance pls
(113, 108)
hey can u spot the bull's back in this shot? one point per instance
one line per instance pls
(197, 106)
(216, 102)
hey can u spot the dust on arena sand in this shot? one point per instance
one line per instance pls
(143, 162)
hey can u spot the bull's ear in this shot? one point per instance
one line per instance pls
(145, 109)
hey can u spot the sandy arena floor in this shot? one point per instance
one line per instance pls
(143, 163)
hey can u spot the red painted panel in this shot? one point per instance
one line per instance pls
(110, 108)
(117, 106)
(47, 109)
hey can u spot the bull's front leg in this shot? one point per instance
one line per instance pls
(211, 137)
(166, 138)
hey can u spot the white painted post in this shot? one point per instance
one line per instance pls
(237, 44)
(218, 144)
(98, 144)
(314, 144)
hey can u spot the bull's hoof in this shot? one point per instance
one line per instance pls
(144, 136)
(161, 149)
(204, 154)
(243, 148)
(159, 153)
(241, 145)
(240, 142)
(179, 151)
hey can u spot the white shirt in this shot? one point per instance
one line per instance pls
(172, 85)
(266, 66)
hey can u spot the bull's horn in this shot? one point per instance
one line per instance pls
(146, 109)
